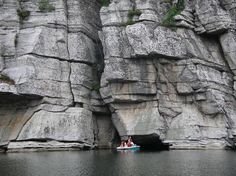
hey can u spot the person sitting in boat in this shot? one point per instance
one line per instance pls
(130, 142)
(123, 144)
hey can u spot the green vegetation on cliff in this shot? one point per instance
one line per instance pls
(96, 87)
(45, 6)
(23, 14)
(6, 79)
(166, 1)
(131, 14)
(172, 12)
(104, 2)
(134, 12)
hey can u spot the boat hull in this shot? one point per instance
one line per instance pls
(129, 148)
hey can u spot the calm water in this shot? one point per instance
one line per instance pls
(108, 163)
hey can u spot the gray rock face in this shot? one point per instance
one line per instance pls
(205, 16)
(80, 75)
(218, 19)
(14, 114)
(175, 86)
(75, 124)
(49, 64)
(105, 131)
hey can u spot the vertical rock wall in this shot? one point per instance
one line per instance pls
(174, 84)
(164, 79)
(50, 65)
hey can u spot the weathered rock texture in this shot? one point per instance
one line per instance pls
(71, 76)
(174, 85)
(50, 63)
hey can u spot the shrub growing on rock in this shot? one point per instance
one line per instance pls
(172, 12)
(104, 2)
(23, 14)
(45, 6)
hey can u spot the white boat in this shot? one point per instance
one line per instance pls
(134, 147)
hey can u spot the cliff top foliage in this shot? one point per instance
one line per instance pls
(172, 12)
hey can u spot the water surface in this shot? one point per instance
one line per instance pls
(110, 163)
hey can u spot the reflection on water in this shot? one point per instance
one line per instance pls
(110, 163)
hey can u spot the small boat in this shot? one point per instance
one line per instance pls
(134, 147)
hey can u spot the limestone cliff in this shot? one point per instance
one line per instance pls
(75, 73)
(51, 62)
(170, 70)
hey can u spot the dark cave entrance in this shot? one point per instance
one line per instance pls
(151, 142)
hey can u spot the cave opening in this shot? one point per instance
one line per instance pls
(151, 142)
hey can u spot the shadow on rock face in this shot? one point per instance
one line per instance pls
(150, 142)
(9, 98)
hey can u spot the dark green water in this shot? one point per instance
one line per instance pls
(108, 163)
